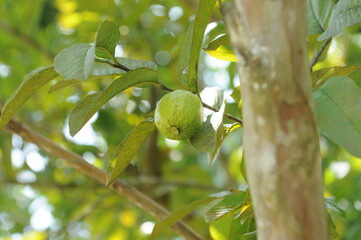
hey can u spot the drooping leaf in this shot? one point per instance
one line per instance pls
(62, 84)
(243, 168)
(76, 61)
(128, 148)
(338, 106)
(217, 120)
(107, 38)
(220, 48)
(346, 13)
(229, 205)
(206, 138)
(31, 83)
(332, 228)
(178, 214)
(93, 103)
(318, 12)
(320, 76)
(188, 63)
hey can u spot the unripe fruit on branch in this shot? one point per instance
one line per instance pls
(179, 115)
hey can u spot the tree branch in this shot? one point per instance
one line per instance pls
(318, 53)
(123, 189)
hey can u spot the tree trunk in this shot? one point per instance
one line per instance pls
(281, 140)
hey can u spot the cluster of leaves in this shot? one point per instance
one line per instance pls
(338, 112)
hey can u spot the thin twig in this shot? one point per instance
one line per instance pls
(123, 189)
(318, 53)
(233, 118)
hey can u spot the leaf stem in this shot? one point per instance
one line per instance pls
(318, 53)
(163, 87)
(115, 65)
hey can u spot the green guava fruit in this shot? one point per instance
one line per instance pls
(179, 115)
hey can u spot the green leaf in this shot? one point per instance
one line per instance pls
(332, 205)
(216, 120)
(338, 107)
(188, 62)
(242, 231)
(104, 69)
(205, 139)
(208, 138)
(318, 13)
(221, 48)
(76, 61)
(229, 205)
(243, 168)
(107, 38)
(346, 13)
(62, 84)
(332, 228)
(128, 148)
(356, 76)
(249, 236)
(320, 76)
(31, 83)
(133, 63)
(220, 229)
(178, 214)
(93, 103)
(313, 25)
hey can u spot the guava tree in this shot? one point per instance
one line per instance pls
(291, 96)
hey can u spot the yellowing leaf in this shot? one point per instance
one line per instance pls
(221, 49)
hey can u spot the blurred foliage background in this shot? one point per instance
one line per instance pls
(41, 197)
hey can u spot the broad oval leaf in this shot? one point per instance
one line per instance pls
(31, 83)
(76, 61)
(318, 12)
(221, 48)
(128, 148)
(107, 38)
(346, 13)
(188, 61)
(93, 103)
(338, 106)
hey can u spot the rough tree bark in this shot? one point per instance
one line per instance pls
(281, 140)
